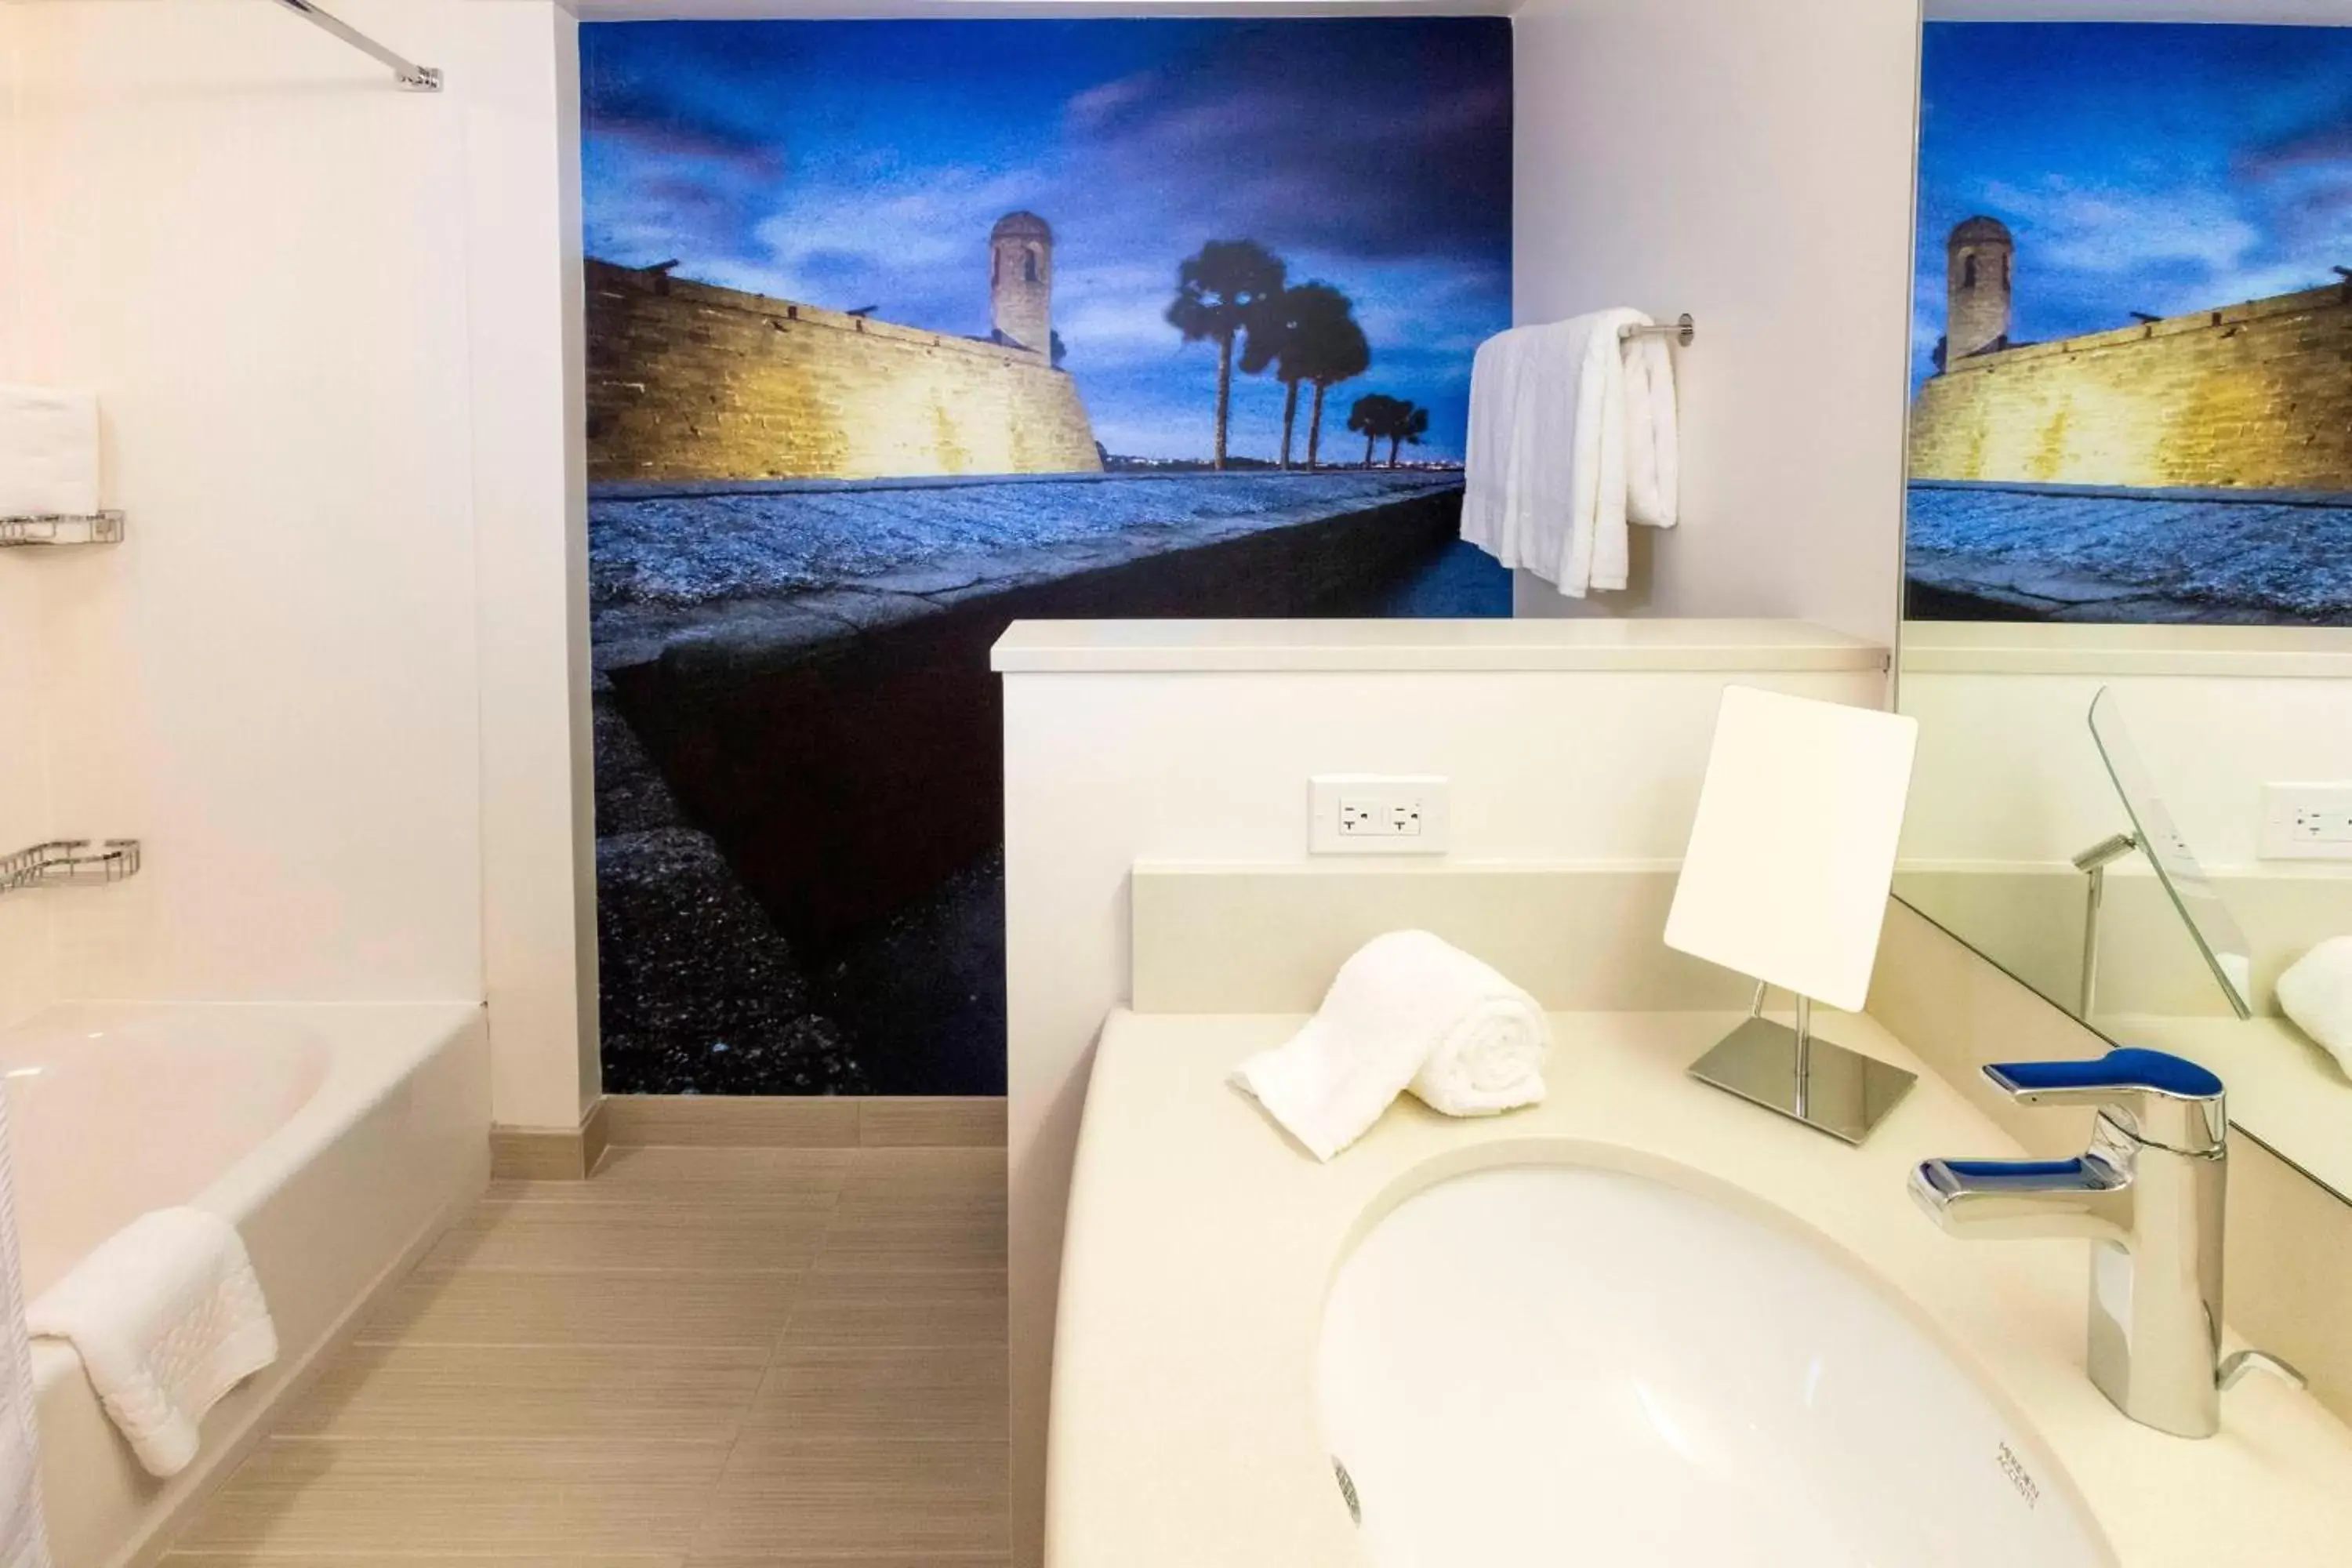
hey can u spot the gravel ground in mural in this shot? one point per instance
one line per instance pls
(2080, 554)
(693, 544)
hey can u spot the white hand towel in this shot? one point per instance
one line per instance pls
(1652, 439)
(24, 1541)
(168, 1317)
(48, 452)
(1407, 1012)
(2316, 993)
(1572, 434)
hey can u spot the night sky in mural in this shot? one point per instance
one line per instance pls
(861, 163)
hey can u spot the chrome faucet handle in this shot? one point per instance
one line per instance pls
(2158, 1099)
(2237, 1363)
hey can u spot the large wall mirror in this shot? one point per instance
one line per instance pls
(2127, 628)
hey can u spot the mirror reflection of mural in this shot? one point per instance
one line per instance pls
(2132, 386)
(900, 330)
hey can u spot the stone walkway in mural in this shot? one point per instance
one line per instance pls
(793, 707)
(663, 556)
(2003, 551)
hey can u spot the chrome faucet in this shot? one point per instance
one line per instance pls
(2148, 1195)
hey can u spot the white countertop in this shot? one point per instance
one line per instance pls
(1071, 646)
(1200, 1242)
(2067, 647)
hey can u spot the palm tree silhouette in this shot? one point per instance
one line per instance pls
(1377, 416)
(1221, 292)
(1311, 335)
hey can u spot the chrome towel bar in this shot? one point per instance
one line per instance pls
(1682, 329)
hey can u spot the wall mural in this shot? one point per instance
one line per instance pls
(2132, 377)
(900, 330)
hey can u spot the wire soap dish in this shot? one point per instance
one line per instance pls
(69, 863)
(48, 528)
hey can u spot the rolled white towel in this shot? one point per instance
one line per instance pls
(1408, 1011)
(2316, 993)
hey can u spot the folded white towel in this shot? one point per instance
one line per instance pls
(1572, 434)
(24, 1541)
(48, 452)
(168, 1317)
(1406, 1012)
(2316, 993)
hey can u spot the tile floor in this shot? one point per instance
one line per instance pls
(701, 1358)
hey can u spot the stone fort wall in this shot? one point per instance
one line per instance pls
(2257, 395)
(690, 380)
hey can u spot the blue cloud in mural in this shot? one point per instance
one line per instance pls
(860, 165)
(2156, 170)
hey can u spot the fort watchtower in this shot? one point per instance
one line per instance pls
(1020, 282)
(1977, 288)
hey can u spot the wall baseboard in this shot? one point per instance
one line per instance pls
(551, 1154)
(785, 1121)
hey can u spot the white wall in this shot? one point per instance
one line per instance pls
(1104, 769)
(1752, 164)
(26, 974)
(330, 326)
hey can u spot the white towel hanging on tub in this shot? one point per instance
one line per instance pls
(24, 1544)
(168, 1318)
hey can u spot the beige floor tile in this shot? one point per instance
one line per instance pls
(887, 1307)
(822, 1494)
(856, 1560)
(466, 1393)
(693, 1179)
(427, 1560)
(561, 1237)
(908, 1392)
(308, 1499)
(651, 1311)
(873, 1238)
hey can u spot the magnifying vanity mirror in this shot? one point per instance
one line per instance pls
(2128, 626)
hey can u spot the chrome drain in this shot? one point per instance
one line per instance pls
(1347, 1490)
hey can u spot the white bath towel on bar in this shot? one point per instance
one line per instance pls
(23, 1543)
(48, 452)
(1572, 434)
(168, 1317)
(1408, 1011)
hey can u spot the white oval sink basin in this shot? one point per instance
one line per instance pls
(1560, 1364)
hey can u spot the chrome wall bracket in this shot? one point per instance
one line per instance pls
(2094, 863)
(406, 73)
(69, 863)
(1828, 1087)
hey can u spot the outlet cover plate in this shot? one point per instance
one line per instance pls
(1378, 814)
(2306, 822)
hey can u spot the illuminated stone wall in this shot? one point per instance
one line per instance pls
(688, 381)
(2251, 395)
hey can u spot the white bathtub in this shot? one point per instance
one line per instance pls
(339, 1138)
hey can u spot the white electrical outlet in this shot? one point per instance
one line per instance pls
(2306, 822)
(1372, 814)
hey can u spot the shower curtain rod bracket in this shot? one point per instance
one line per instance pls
(406, 73)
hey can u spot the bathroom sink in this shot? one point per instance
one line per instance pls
(1565, 1364)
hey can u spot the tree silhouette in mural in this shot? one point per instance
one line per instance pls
(1311, 335)
(1223, 291)
(1377, 416)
